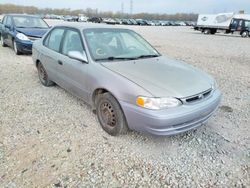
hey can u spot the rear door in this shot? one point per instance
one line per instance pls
(73, 72)
(50, 52)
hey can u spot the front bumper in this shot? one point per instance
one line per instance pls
(24, 46)
(171, 121)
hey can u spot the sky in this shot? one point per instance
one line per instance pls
(155, 6)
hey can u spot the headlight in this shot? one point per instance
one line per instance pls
(22, 37)
(157, 103)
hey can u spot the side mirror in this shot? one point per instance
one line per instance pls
(78, 56)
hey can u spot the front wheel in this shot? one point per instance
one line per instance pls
(245, 34)
(17, 52)
(110, 115)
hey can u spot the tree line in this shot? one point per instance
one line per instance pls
(11, 8)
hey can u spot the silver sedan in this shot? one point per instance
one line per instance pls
(128, 83)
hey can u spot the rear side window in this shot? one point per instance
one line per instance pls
(54, 40)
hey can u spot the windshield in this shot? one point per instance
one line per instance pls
(29, 22)
(117, 44)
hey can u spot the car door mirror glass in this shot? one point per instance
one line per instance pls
(78, 56)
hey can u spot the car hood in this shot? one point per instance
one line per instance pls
(33, 32)
(163, 77)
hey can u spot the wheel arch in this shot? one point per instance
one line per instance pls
(98, 91)
(102, 90)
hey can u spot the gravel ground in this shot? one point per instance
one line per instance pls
(49, 138)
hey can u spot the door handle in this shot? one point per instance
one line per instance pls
(60, 62)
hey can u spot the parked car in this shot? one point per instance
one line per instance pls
(118, 21)
(70, 18)
(141, 22)
(95, 19)
(151, 23)
(126, 81)
(133, 21)
(20, 31)
(126, 22)
(109, 21)
(82, 18)
(156, 22)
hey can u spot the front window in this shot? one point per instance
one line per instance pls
(72, 42)
(110, 44)
(29, 22)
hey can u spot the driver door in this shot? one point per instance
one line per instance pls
(73, 72)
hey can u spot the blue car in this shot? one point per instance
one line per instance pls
(20, 31)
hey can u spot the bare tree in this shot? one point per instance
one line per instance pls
(11, 8)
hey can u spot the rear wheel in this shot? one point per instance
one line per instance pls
(17, 52)
(110, 115)
(2, 42)
(245, 34)
(43, 76)
(207, 31)
(213, 31)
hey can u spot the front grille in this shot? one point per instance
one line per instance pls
(198, 97)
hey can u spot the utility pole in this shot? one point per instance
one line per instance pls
(122, 9)
(131, 8)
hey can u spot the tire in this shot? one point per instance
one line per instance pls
(2, 42)
(213, 31)
(207, 31)
(110, 115)
(17, 52)
(43, 76)
(245, 34)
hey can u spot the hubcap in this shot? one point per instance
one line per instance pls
(107, 114)
(244, 34)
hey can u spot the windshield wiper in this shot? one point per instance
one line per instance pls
(33, 27)
(115, 58)
(146, 56)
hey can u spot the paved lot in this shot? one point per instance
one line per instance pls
(49, 138)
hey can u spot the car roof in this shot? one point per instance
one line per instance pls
(82, 26)
(22, 15)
